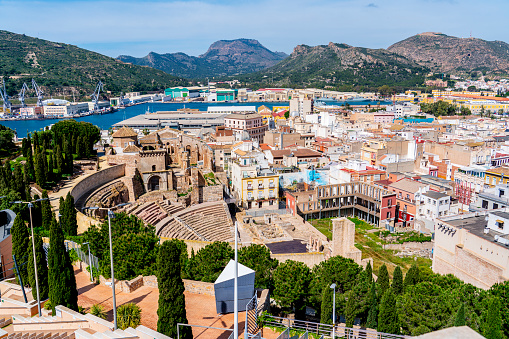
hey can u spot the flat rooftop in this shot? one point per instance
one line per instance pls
(173, 120)
(283, 247)
(475, 225)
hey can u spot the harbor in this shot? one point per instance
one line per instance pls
(104, 122)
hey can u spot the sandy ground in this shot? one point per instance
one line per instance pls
(201, 309)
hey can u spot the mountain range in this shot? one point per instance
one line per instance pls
(223, 58)
(66, 69)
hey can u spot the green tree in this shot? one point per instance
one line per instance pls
(287, 115)
(412, 276)
(69, 216)
(79, 148)
(369, 272)
(210, 261)
(46, 212)
(98, 310)
(257, 257)
(460, 316)
(388, 320)
(371, 322)
(59, 159)
(172, 304)
(383, 280)
(339, 270)
(30, 163)
(40, 168)
(42, 270)
(135, 254)
(62, 283)
(493, 323)
(18, 181)
(350, 309)
(51, 175)
(291, 284)
(20, 246)
(397, 281)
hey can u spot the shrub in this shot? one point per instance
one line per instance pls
(98, 311)
(128, 315)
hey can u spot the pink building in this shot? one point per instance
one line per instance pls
(249, 122)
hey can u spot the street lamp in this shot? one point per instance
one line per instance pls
(89, 261)
(30, 205)
(111, 215)
(333, 286)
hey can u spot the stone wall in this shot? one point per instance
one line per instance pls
(96, 180)
(211, 193)
(310, 259)
(428, 245)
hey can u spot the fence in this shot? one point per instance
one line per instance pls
(83, 255)
(324, 330)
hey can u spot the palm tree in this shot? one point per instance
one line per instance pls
(128, 315)
(98, 310)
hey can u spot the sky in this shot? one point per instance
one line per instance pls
(137, 27)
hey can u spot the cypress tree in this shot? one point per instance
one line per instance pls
(40, 168)
(35, 140)
(62, 283)
(68, 157)
(371, 322)
(30, 165)
(369, 272)
(26, 180)
(46, 212)
(20, 248)
(8, 175)
(69, 221)
(18, 184)
(50, 168)
(350, 309)
(87, 146)
(388, 320)
(493, 323)
(59, 160)
(460, 316)
(397, 281)
(24, 147)
(412, 276)
(42, 270)
(79, 148)
(383, 280)
(172, 302)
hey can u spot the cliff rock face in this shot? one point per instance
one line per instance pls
(450, 54)
(224, 57)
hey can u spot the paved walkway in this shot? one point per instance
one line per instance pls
(201, 309)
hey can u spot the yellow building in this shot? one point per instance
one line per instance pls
(497, 176)
(373, 150)
(254, 187)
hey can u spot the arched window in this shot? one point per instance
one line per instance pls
(153, 168)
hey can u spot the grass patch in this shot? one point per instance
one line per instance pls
(372, 246)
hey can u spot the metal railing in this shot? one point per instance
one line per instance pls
(324, 330)
(83, 254)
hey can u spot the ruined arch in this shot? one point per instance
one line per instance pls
(154, 183)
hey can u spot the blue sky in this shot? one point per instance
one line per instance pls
(138, 27)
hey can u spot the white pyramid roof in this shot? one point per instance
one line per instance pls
(229, 272)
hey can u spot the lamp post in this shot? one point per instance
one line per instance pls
(30, 205)
(111, 215)
(89, 261)
(333, 286)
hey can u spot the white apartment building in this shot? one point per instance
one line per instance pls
(434, 205)
(249, 122)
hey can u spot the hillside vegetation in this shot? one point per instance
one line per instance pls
(61, 68)
(340, 65)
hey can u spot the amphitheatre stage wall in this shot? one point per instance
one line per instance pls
(88, 185)
(310, 259)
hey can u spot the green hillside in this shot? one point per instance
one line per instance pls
(340, 66)
(61, 69)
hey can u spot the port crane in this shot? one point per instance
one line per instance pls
(38, 92)
(5, 98)
(22, 93)
(95, 95)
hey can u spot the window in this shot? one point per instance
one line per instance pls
(389, 203)
(388, 215)
(153, 168)
(485, 204)
(495, 206)
(500, 224)
(434, 202)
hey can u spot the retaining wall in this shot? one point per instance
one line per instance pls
(96, 180)
(310, 259)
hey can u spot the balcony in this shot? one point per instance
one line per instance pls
(271, 185)
(249, 187)
(250, 198)
(260, 187)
